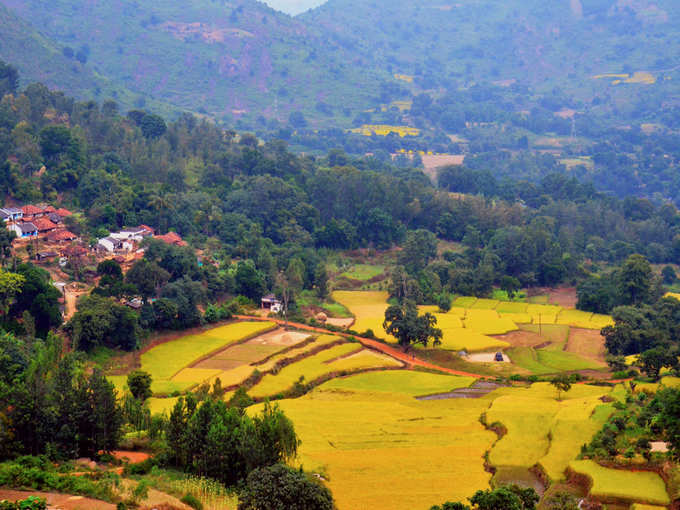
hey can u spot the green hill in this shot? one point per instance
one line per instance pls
(242, 59)
(228, 59)
(561, 43)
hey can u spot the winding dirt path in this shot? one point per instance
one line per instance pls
(367, 342)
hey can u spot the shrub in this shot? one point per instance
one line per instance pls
(30, 503)
(192, 501)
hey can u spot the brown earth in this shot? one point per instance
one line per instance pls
(522, 338)
(433, 163)
(588, 343)
(59, 501)
(131, 457)
(340, 323)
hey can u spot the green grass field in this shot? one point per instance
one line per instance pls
(548, 361)
(641, 487)
(364, 272)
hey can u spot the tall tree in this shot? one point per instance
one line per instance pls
(404, 323)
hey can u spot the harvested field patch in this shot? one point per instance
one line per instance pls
(588, 343)
(522, 338)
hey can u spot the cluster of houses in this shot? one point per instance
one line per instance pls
(127, 239)
(36, 221)
(46, 223)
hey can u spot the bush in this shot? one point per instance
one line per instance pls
(190, 500)
(30, 503)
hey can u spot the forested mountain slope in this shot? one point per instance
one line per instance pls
(538, 43)
(243, 60)
(226, 59)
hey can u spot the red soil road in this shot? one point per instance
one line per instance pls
(59, 501)
(373, 344)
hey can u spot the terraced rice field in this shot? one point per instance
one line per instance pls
(345, 357)
(364, 432)
(640, 486)
(368, 308)
(542, 430)
(471, 324)
(165, 362)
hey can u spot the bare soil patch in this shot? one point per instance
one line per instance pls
(340, 323)
(131, 457)
(563, 296)
(433, 162)
(522, 338)
(59, 501)
(588, 343)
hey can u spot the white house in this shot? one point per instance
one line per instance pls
(24, 229)
(8, 214)
(111, 245)
(132, 234)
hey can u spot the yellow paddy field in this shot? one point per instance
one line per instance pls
(365, 432)
(471, 322)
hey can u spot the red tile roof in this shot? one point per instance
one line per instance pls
(49, 209)
(61, 235)
(30, 210)
(44, 224)
(172, 238)
(147, 227)
(63, 212)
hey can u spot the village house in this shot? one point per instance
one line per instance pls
(24, 229)
(270, 302)
(31, 212)
(11, 214)
(61, 236)
(112, 245)
(46, 255)
(44, 225)
(136, 234)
